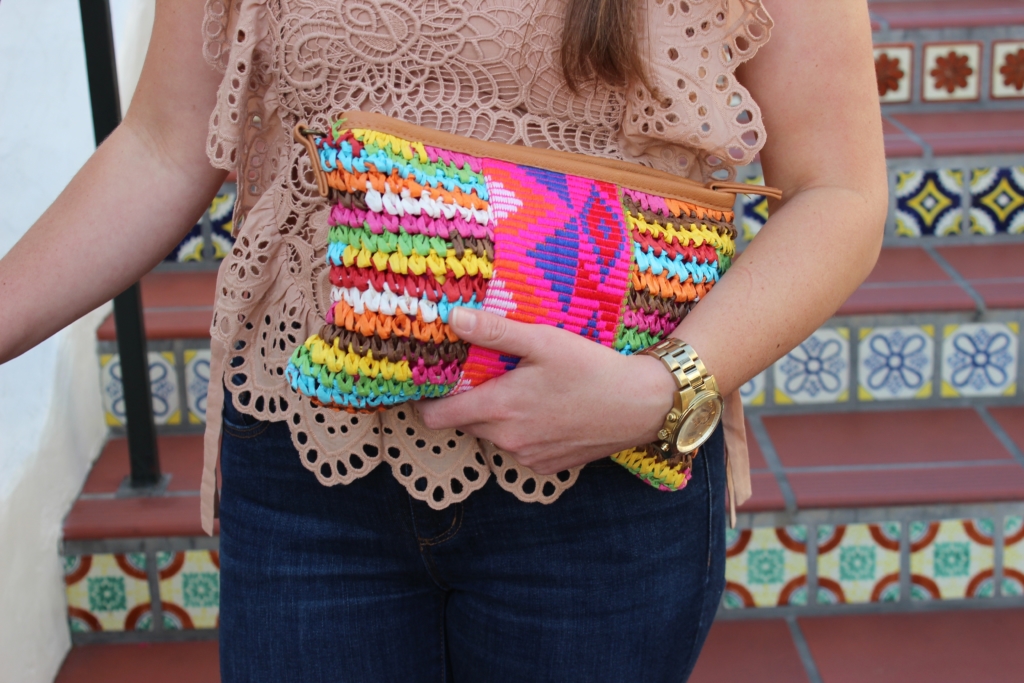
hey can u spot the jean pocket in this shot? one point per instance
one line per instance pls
(237, 423)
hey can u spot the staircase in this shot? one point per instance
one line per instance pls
(885, 538)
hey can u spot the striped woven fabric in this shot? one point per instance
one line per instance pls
(417, 231)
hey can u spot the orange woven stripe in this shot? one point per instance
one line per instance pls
(369, 323)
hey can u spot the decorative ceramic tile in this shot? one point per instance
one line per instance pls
(1007, 69)
(997, 200)
(752, 213)
(951, 559)
(894, 71)
(1013, 556)
(951, 72)
(163, 383)
(190, 589)
(197, 381)
(190, 248)
(895, 362)
(106, 592)
(817, 371)
(766, 567)
(979, 359)
(753, 392)
(222, 220)
(928, 202)
(859, 563)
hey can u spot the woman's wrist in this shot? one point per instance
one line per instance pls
(656, 388)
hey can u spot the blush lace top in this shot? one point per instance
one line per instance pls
(487, 69)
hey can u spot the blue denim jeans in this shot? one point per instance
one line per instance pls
(613, 582)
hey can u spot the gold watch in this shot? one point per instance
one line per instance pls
(696, 407)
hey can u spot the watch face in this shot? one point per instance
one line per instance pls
(699, 422)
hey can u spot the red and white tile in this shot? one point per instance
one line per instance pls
(1007, 69)
(894, 70)
(951, 72)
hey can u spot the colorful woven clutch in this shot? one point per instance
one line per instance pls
(423, 222)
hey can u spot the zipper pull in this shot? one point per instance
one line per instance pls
(743, 188)
(304, 136)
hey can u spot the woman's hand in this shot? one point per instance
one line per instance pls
(568, 402)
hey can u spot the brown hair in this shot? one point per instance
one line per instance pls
(600, 42)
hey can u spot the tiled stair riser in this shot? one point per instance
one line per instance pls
(954, 199)
(146, 590)
(896, 361)
(896, 559)
(937, 69)
(179, 376)
(893, 361)
(210, 239)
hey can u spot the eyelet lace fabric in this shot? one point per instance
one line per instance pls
(487, 69)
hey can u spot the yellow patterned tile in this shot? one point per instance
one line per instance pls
(766, 567)
(950, 559)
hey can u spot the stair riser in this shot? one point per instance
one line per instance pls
(871, 559)
(846, 349)
(962, 184)
(917, 89)
(842, 367)
(179, 376)
(138, 590)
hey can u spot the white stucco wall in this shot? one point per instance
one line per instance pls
(51, 417)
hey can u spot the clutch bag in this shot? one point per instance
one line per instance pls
(422, 222)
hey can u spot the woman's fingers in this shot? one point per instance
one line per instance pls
(477, 407)
(495, 332)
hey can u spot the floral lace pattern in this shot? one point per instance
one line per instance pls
(481, 68)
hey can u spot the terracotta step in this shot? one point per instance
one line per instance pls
(176, 305)
(179, 305)
(829, 460)
(955, 133)
(912, 280)
(907, 457)
(191, 662)
(934, 647)
(100, 514)
(945, 13)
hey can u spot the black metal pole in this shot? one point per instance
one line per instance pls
(131, 332)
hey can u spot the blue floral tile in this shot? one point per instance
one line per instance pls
(979, 359)
(817, 371)
(895, 363)
(928, 202)
(997, 200)
(163, 382)
(753, 392)
(753, 210)
(197, 381)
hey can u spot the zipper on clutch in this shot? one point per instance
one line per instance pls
(743, 188)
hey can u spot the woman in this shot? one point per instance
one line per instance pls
(383, 578)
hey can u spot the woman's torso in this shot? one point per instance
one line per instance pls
(488, 69)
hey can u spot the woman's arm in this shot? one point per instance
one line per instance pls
(570, 401)
(815, 83)
(133, 200)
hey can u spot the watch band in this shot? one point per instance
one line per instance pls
(691, 377)
(682, 361)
